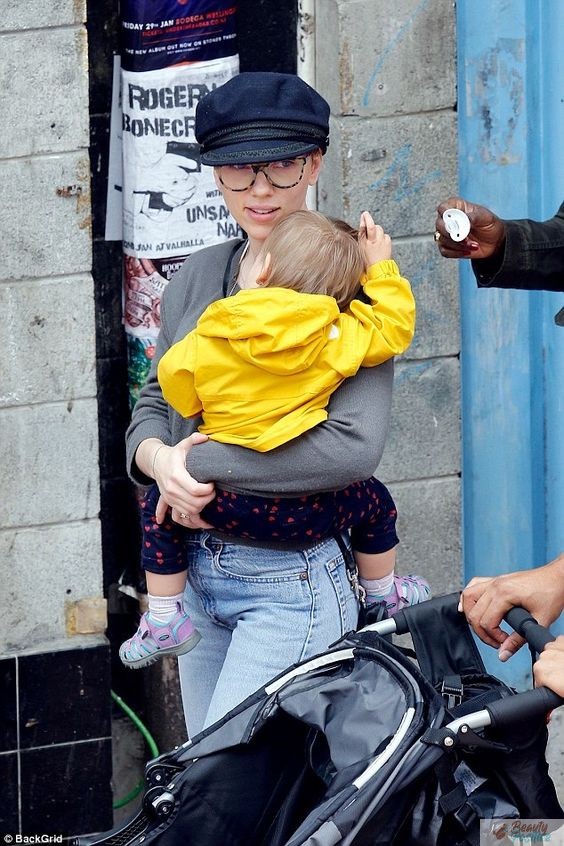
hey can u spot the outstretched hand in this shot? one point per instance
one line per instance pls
(374, 243)
(485, 601)
(487, 232)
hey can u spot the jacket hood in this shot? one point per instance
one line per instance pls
(276, 329)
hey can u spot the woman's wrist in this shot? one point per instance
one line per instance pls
(146, 455)
(557, 567)
(153, 462)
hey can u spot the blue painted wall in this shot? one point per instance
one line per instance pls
(511, 142)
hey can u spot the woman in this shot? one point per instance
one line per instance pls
(258, 609)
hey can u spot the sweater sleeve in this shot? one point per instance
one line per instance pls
(346, 448)
(150, 418)
(197, 283)
(533, 257)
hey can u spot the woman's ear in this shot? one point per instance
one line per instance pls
(264, 274)
(316, 162)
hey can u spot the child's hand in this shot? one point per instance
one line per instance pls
(373, 241)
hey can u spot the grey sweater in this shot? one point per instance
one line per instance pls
(345, 448)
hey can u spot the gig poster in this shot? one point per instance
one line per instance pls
(173, 53)
(171, 205)
(159, 33)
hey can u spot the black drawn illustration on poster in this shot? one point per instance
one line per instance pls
(169, 183)
(165, 188)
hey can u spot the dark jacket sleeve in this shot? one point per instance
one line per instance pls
(533, 258)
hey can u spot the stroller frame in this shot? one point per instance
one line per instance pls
(429, 772)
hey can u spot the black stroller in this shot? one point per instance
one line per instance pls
(361, 746)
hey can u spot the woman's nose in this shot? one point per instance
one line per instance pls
(261, 185)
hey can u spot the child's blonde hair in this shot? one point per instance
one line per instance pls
(313, 254)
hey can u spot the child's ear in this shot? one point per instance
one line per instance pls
(262, 278)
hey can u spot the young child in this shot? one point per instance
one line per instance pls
(260, 368)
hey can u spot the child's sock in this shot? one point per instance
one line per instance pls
(163, 608)
(377, 589)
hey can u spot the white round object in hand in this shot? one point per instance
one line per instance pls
(457, 224)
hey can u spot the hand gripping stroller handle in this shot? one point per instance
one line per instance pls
(523, 706)
(537, 636)
(536, 702)
(520, 620)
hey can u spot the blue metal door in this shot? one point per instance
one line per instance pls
(511, 144)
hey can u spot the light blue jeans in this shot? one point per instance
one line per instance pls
(258, 611)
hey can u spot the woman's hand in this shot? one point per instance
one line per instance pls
(549, 668)
(486, 235)
(485, 601)
(179, 490)
(374, 243)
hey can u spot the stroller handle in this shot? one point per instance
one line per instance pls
(532, 703)
(519, 619)
(523, 623)
(523, 706)
(526, 705)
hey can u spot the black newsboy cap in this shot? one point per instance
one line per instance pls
(261, 117)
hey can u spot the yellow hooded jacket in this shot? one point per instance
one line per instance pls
(261, 366)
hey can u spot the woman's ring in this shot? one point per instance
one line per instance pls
(437, 236)
(184, 516)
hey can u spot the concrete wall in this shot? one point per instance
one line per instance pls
(388, 70)
(389, 73)
(49, 533)
(53, 658)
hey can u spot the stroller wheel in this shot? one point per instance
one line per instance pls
(159, 802)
